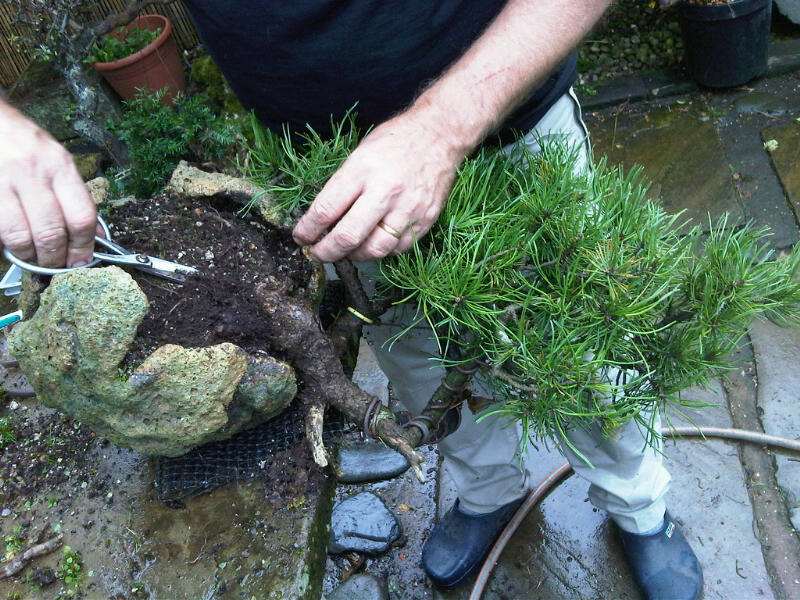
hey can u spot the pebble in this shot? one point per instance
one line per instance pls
(361, 587)
(371, 461)
(362, 523)
(5, 513)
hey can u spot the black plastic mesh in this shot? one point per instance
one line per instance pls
(244, 456)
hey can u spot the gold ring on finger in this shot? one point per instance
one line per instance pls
(390, 230)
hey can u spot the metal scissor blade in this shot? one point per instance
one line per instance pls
(168, 266)
(148, 264)
(11, 282)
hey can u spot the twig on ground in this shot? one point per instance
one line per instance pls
(21, 560)
(216, 216)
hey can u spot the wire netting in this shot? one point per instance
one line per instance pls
(243, 456)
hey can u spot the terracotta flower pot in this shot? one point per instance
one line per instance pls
(155, 67)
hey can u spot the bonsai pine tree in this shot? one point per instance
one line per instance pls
(577, 298)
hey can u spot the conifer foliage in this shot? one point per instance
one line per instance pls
(584, 301)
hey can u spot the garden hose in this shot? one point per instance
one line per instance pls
(561, 472)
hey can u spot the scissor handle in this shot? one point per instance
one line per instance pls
(34, 268)
(6, 320)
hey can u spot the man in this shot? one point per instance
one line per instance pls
(436, 79)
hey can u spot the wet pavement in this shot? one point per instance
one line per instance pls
(738, 506)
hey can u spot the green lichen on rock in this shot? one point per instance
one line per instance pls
(183, 394)
(72, 346)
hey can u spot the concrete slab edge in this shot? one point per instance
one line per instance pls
(784, 57)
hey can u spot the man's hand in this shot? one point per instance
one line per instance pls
(395, 182)
(46, 213)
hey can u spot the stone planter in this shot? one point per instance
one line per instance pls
(79, 328)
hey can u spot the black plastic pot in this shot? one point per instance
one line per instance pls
(726, 44)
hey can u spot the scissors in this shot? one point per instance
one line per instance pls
(10, 284)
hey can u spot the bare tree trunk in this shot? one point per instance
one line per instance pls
(84, 121)
(314, 354)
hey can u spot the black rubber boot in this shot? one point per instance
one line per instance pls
(458, 543)
(663, 564)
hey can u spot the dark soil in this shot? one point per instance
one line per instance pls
(232, 253)
(291, 474)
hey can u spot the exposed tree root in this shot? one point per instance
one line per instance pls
(314, 419)
(315, 356)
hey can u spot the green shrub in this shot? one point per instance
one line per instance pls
(14, 543)
(111, 47)
(159, 136)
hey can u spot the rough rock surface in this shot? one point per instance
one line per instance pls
(98, 189)
(267, 387)
(190, 181)
(71, 348)
(362, 523)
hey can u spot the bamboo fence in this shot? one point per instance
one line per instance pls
(14, 59)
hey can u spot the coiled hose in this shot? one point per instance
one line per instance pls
(561, 472)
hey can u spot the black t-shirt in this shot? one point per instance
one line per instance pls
(300, 61)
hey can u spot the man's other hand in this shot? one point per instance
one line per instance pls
(387, 193)
(46, 213)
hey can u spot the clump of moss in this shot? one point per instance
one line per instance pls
(205, 72)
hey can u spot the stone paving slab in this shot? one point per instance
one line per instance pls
(681, 154)
(228, 544)
(368, 375)
(786, 158)
(412, 502)
(745, 112)
(232, 543)
(777, 353)
(414, 505)
(709, 500)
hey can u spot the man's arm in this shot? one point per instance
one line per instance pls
(401, 173)
(46, 213)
